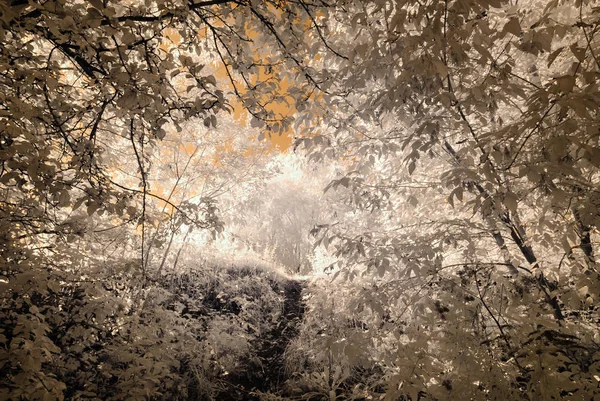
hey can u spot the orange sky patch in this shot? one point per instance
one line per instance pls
(282, 109)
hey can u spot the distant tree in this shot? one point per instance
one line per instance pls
(273, 214)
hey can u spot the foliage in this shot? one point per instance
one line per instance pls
(463, 217)
(87, 89)
(189, 336)
(471, 136)
(277, 226)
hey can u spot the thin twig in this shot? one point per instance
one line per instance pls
(144, 193)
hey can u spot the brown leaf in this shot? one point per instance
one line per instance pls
(578, 52)
(513, 26)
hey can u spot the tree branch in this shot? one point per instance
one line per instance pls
(144, 193)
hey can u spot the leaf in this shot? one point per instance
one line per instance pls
(161, 133)
(92, 207)
(128, 37)
(551, 5)
(593, 155)
(256, 123)
(554, 54)
(513, 26)
(97, 4)
(566, 83)
(79, 202)
(361, 249)
(53, 286)
(411, 168)
(64, 198)
(459, 193)
(128, 100)
(211, 80)
(566, 246)
(578, 52)
(510, 201)
(440, 67)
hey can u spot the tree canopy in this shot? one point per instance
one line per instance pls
(459, 143)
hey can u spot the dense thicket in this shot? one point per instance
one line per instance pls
(462, 221)
(471, 134)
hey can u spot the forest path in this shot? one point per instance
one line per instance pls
(265, 371)
(277, 339)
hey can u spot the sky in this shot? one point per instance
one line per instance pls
(283, 109)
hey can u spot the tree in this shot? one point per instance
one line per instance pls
(277, 226)
(90, 87)
(479, 114)
(81, 77)
(493, 105)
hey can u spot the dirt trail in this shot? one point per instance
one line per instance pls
(265, 371)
